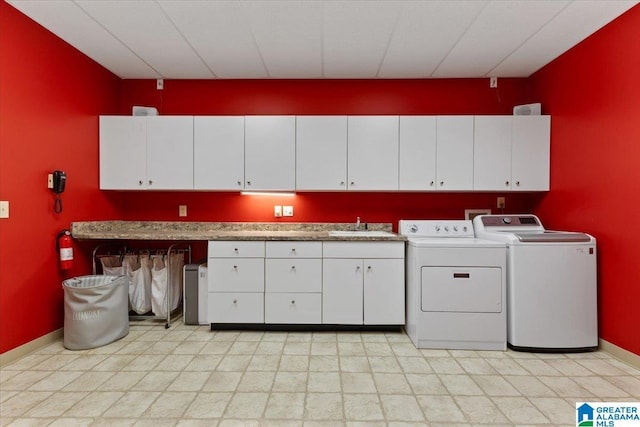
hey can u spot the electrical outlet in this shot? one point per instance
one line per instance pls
(182, 210)
(277, 211)
(287, 211)
(159, 84)
(493, 82)
(500, 203)
(4, 209)
(50, 180)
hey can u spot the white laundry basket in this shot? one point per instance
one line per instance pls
(96, 311)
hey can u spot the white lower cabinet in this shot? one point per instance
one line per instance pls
(341, 283)
(363, 283)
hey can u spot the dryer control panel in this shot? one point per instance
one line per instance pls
(435, 228)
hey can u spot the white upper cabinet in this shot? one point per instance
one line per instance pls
(170, 152)
(530, 150)
(270, 153)
(454, 157)
(123, 153)
(321, 153)
(373, 153)
(492, 153)
(218, 146)
(154, 153)
(417, 153)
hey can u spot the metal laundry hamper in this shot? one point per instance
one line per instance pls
(96, 311)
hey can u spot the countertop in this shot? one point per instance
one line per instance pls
(183, 230)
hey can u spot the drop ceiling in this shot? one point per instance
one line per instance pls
(200, 39)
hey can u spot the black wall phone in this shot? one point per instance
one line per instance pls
(59, 182)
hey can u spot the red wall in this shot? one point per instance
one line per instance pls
(593, 94)
(50, 96)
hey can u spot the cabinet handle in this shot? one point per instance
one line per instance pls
(431, 183)
(441, 183)
(369, 268)
(235, 301)
(239, 182)
(293, 267)
(150, 182)
(293, 250)
(293, 301)
(353, 183)
(140, 182)
(248, 182)
(235, 267)
(342, 183)
(517, 183)
(506, 183)
(358, 268)
(235, 250)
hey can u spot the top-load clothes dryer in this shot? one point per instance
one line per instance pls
(551, 283)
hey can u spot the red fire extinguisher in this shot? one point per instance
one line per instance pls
(65, 249)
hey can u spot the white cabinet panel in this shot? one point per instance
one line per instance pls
(293, 308)
(236, 275)
(152, 152)
(454, 153)
(530, 151)
(384, 292)
(218, 159)
(270, 153)
(293, 275)
(170, 152)
(373, 153)
(123, 153)
(342, 291)
(236, 249)
(229, 307)
(492, 153)
(294, 249)
(321, 153)
(417, 162)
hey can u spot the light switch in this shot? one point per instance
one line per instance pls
(182, 210)
(287, 211)
(277, 211)
(4, 209)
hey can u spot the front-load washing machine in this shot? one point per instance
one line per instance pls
(456, 286)
(551, 283)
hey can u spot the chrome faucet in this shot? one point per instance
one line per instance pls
(357, 226)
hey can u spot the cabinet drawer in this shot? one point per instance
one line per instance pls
(236, 249)
(230, 307)
(293, 275)
(382, 249)
(236, 275)
(294, 249)
(293, 308)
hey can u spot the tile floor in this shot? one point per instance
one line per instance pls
(191, 376)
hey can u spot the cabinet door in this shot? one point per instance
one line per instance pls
(170, 152)
(454, 164)
(492, 153)
(270, 153)
(384, 292)
(123, 153)
(230, 307)
(236, 275)
(342, 291)
(218, 148)
(530, 150)
(373, 153)
(417, 162)
(321, 153)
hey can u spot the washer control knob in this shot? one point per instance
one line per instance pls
(455, 228)
(506, 220)
(446, 228)
(437, 228)
(413, 228)
(464, 228)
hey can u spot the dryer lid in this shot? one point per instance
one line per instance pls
(552, 237)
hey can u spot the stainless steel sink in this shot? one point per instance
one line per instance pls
(364, 233)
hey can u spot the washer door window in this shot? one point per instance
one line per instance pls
(462, 289)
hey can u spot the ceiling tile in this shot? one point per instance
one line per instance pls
(424, 34)
(146, 29)
(220, 33)
(356, 36)
(500, 28)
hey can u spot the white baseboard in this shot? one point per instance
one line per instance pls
(18, 352)
(620, 353)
